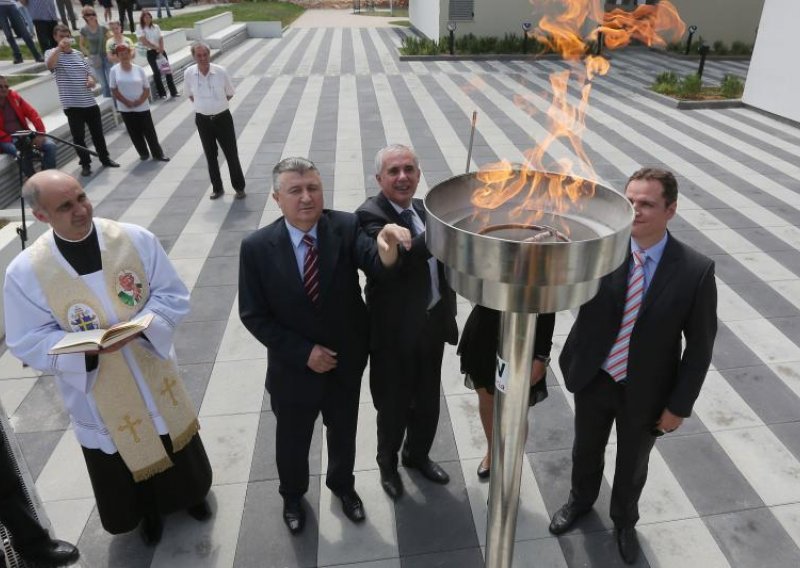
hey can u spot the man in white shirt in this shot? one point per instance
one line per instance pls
(209, 87)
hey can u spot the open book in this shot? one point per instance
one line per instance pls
(94, 339)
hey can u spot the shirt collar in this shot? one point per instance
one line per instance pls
(401, 209)
(297, 235)
(654, 252)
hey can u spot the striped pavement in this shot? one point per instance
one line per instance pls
(723, 491)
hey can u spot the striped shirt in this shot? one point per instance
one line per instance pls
(71, 73)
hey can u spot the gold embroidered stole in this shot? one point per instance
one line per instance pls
(116, 392)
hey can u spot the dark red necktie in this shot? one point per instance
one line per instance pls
(311, 270)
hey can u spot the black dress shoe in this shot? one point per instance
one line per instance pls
(161, 159)
(240, 194)
(352, 506)
(216, 195)
(151, 529)
(483, 470)
(110, 163)
(86, 170)
(294, 515)
(51, 553)
(565, 517)
(391, 483)
(200, 512)
(628, 544)
(429, 469)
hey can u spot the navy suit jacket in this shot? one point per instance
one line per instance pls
(274, 307)
(681, 301)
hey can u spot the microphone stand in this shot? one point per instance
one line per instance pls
(23, 140)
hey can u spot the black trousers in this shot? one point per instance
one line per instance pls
(406, 394)
(142, 131)
(122, 502)
(79, 118)
(14, 513)
(126, 6)
(152, 55)
(44, 33)
(597, 406)
(295, 427)
(218, 129)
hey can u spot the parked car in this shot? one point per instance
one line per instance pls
(139, 4)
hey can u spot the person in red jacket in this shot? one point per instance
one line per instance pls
(16, 114)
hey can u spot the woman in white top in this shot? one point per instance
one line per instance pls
(131, 88)
(149, 35)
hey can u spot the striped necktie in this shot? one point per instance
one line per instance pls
(311, 270)
(617, 362)
(407, 217)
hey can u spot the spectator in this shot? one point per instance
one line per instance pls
(44, 16)
(149, 35)
(67, 12)
(93, 45)
(132, 89)
(164, 3)
(117, 37)
(13, 23)
(75, 82)
(126, 6)
(15, 114)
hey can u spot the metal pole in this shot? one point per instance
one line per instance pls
(471, 138)
(509, 432)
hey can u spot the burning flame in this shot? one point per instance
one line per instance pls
(564, 29)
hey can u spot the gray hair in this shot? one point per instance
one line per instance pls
(31, 193)
(391, 148)
(199, 43)
(293, 164)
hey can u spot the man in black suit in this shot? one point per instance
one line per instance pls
(30, 540)
(299, 295)
(411, 317)
(624, 362)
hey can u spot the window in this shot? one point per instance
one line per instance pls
(462, 9)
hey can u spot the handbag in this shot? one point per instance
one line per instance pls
(163, 65)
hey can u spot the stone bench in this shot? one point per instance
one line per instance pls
(209, 26)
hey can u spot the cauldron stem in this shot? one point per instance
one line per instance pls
(509, 433)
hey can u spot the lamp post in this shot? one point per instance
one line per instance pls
(526, 27)
(451, 27)
(692, 31)
(704, 49)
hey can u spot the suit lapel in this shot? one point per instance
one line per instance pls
(388, 209)
(666, 271)
(328, 240)
(417, 204)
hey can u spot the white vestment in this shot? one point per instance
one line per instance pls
(32, 330)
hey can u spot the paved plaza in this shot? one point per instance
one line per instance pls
(724, 490)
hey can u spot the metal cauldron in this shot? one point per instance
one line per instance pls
(496, 258)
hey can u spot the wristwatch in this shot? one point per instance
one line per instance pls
(543, 358)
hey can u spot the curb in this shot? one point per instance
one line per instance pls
(683, 104)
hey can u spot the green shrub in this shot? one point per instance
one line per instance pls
(741, 48)
(690, 86)
(732, 87)
(720, 47)
(667, 77)
(413, 45)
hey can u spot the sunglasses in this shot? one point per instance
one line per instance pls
(92, 15)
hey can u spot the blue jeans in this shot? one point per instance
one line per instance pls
(101, 74)
(165, 4)
(12, 21)
(47, 150)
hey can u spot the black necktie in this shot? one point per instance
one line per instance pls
(407, 217)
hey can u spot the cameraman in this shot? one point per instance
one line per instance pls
(15, 113)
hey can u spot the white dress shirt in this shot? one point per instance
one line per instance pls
(209, 92)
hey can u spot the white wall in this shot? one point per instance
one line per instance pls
(773, 82)
(726, 20)
(424, 15)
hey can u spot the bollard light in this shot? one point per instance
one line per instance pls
(692, 31)
(704, 49)
(451, 27)
(526, 27)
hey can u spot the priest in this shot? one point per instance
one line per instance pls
(127, 404)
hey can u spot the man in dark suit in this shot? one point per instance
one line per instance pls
(31, 541)
(411, 317)
(624, 362)
(299, 295)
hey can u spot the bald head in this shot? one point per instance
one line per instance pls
(58, 199)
